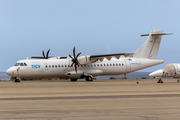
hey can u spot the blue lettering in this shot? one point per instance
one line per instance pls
(135, 63)
(35, 66)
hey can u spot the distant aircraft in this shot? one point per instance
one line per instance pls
(170, 70)
(89, 66)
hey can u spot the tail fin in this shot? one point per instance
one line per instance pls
(151, 47)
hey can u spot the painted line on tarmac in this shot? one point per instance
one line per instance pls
(93, 97)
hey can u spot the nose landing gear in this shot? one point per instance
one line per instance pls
(160, 81)
(16, 80)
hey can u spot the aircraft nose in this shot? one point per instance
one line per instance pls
(9, 72)
(158, 73)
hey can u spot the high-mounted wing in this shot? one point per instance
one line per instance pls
(38, 57)
(109, 56)
(44, 57)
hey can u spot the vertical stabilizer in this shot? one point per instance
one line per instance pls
(150, 48)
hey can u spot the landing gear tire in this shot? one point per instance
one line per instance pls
(160, 81)
(89, 78)
(17, 80)
(73, 80)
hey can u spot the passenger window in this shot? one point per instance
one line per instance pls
(107, 64)
(116, 64)
(97, 64)
(56, 66)
(122, 64)
(94, 65)
(110, 64)
(88, 65)
(91, 65)
(104, 64)
(52, 66)
(84, 65)
(49, 66)
(113, 64)
(46, 66)
(101, 64)
(65, 65)
(68, 65)
(119, 64)
(62, 65)
(59, 66)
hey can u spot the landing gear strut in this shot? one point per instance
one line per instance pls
(16, 80)
(160, 81)
(89, 78)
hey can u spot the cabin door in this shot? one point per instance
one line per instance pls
(46, 66)
(128, 65)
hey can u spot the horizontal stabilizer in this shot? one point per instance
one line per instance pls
(157, 34)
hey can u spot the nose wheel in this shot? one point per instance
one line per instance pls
(16, 80)
(160, 81)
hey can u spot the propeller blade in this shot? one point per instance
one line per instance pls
(75, 68)
(43, 53)
(47, 54)
(72, 64)
(74, 52)
(70, 56)
(79, 54)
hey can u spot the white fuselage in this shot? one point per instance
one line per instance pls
(58, 67)
(170, 70)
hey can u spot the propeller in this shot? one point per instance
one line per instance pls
(74, 59)
(46, 57)
(43, 57)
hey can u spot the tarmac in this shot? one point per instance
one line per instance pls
(97, 100)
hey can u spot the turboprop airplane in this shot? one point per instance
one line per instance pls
(89, 66)
(170, 70)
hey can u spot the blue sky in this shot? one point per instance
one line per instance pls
(93, 26)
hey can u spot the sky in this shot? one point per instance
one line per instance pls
(94, 26)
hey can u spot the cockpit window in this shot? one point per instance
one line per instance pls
(17, 64)
(20, 64)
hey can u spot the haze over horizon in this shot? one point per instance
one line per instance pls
(94, 27)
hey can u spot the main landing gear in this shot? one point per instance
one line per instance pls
(89, 78)
(16, 80)
(73, 80)
(160, 81)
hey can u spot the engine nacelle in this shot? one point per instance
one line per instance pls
(85, 60)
